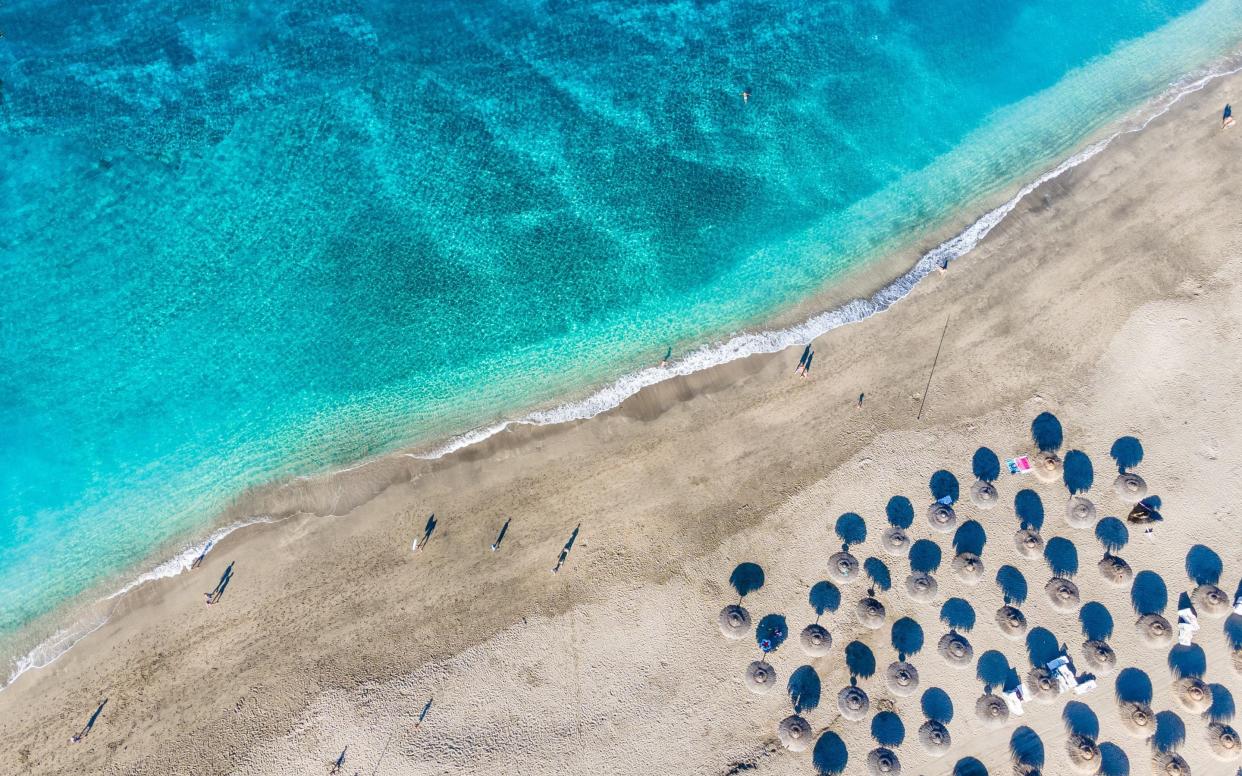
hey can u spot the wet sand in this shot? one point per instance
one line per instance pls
(1110, 299)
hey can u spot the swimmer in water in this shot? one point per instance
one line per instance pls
(745, 96)
(667, 356)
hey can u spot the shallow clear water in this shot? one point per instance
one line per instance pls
(250, 240)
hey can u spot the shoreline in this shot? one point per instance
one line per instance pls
(612, 396)
(335, 635)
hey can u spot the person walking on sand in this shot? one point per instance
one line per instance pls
(804, 361)
(218, 591)
(199, 560)
(806, 370)
(667, 355)
(1226, 120)
(90, 723)
(500, 537)
(340, 762)
(422, 715)
(569, 545)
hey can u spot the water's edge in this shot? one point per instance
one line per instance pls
(743, 345)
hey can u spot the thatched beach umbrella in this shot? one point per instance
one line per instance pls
(1046, 465)
(734, 621)
(1192, 694)
(1042, 684)
(1099, 656)
(760, 677)
(921, 586)
(983, 494)
(870, 613)
(896, 541)
(853, 703)
(968, 567)
(1211, 600)
(1115, 571)
(1130, 487)
(1029, 543)
(815, 640)
(903, 679)
(1169, 764)
(1137, 718)
(1084, 754)
(955, 649)
(795, 733)
(1062, 593)
(1012, 621)
(1154, 630)
(883, 762)
(1224, 741)
(991, 711)
(935, 738)
(1080, 512)
(843, 567)
(941, 517)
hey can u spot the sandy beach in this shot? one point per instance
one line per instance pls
(1110, 299)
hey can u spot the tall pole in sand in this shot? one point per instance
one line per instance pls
(933, 368)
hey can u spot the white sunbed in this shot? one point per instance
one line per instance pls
(1187, 626)
(1064, 676)
(1082, 688)
(1014, 699)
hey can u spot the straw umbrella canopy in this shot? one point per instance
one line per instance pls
(1043, 686)
(1130, 487)
(760, 677)
(1029, 543)
(1154, 630)
(1012, 621)
(1192, 694)
(955, 649)
(734, 621)
(1169, 764)
(795, 733)
(870, 613)
(1080, 512)
(941, 517)
(896, 541)
(1211, 600)
(921, 586)
(815, 640)
(1046, 465)
(853, 703)
(968, 567)
(1115, 571)
(1084, 754)
(983, 494)
(935, 738)
(1099, 656)
(903, 679)
(1062, 593)
(1224, 741)
(843, 567)
(1137, 718)
(991, 711)
(883, 762)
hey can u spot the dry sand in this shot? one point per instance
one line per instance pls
(1111, 299)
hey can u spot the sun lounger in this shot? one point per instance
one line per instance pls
(1019, 465)
(1187, 626)
(1064, 676)
(1014, 699)
(1082, 688)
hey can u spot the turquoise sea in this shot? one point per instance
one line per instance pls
(241, 241)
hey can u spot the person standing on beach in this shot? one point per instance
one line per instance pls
(340, 762)
(569, 545)
(90, 723)
(668, 354)
(199, 560)
(805, 361)
(500, 537)
(806, 370)
(218, 591)
(1226, 120)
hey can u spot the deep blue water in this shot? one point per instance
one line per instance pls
(241, 241)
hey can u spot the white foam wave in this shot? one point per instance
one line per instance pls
(48, 650)
(776, 340)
